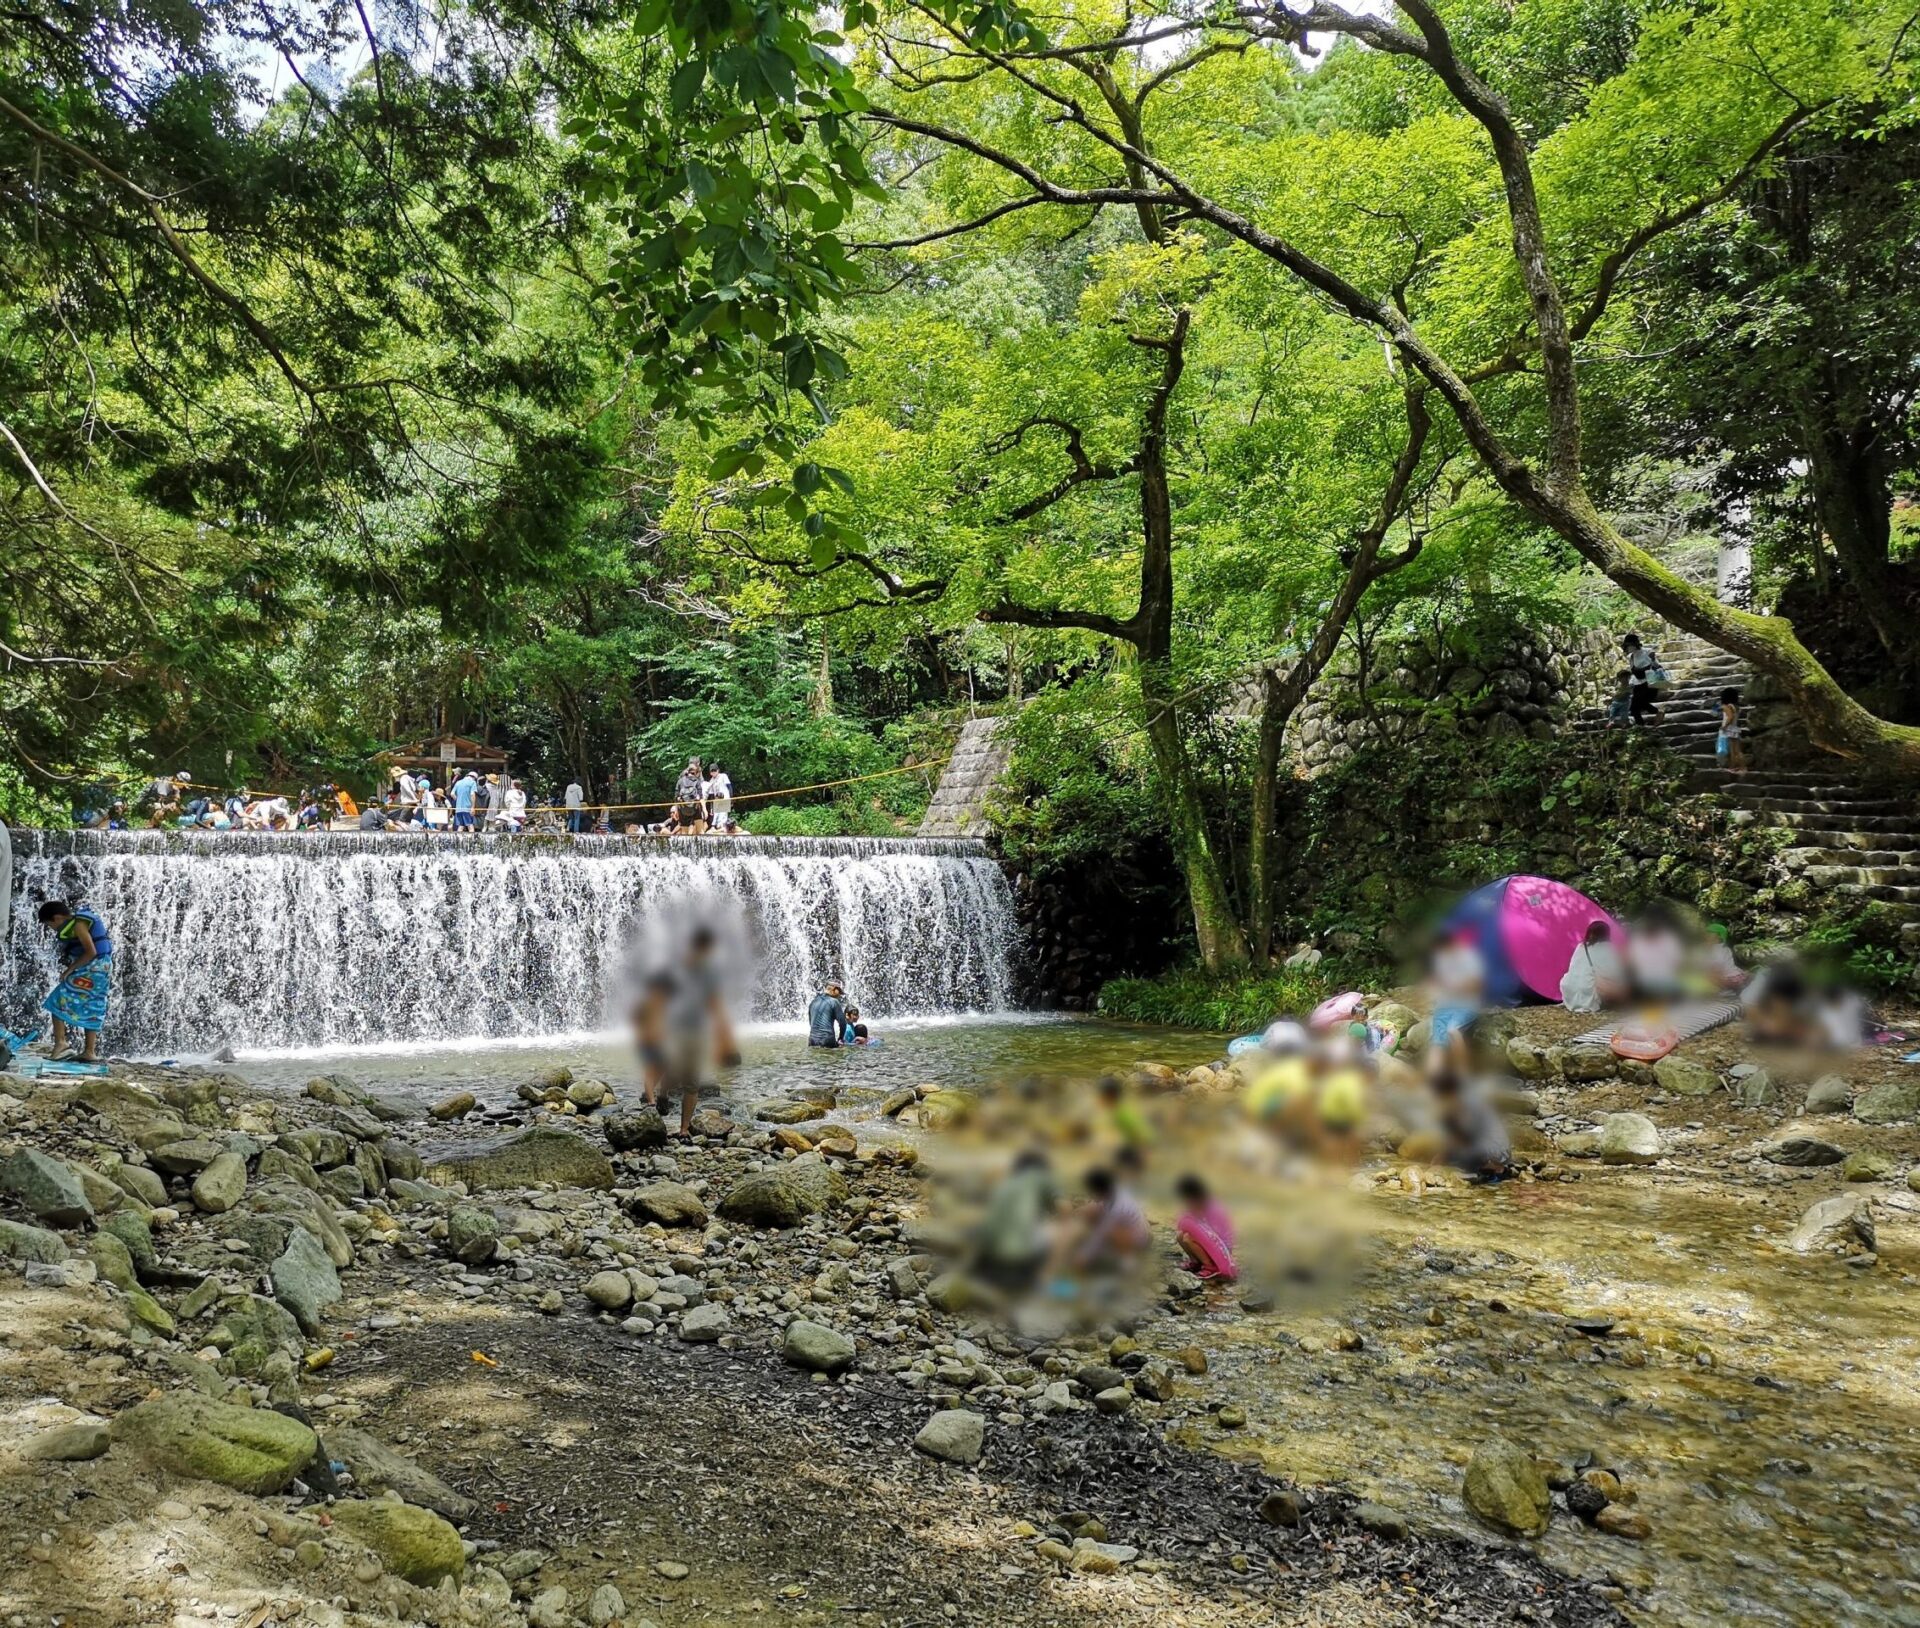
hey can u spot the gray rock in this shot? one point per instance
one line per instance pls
(1889, 1102)
(1756, 1089)
(376, 1467)
(548, 1609)
(610, 1291)
(543, 1153)
(1830, 1094)
(133, 1230)
(953, 1434)
(473, 1235)
(321, 1147)
(69, 1444)
(638, 1131)
(457, 1106)
(137, 1181)
(816, 1347)
(304, 1279)
(788, 1113)
(221, 1185)
(1381, 1521)
(1587, 1064)
(671, 1203)
(705, 1324)
(607, 1605)
(1629, 1139)
(785, 1195)
(1685, 1078)
(283, 1164)
(1115, 1399)
(1802, 1151)
(49, 1187)
(1100, 1559)
(400, 1158)
(186, 1157)
(1849, 1215)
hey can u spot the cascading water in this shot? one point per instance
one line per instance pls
(258, 940)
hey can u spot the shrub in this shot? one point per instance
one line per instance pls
(1231, 1003)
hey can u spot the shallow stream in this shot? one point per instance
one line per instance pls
(1763, 1407)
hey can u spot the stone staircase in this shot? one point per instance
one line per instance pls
(1848, 837)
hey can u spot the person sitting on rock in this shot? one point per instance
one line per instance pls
(1843, 1017)
(1656, 956)
(1595, 977)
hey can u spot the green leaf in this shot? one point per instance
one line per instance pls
(685, 84)
(821, 551)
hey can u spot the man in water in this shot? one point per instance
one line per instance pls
(827, 1018)
(79, 1001)
(683, 1027)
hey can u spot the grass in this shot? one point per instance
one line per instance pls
(1223, 1003)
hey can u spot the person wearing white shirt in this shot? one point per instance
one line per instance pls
(576, 800)
(718, 791)
(1595, 977)
(514, 810)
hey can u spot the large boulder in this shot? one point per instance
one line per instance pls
(1629, 1139)
(1889, 1102)
(1685, 1078)
(139, 1183)
(376, 1467)
(610, 1290)
(528, 1158)
(1506, 1489)
(252, 1332)
(304, 1280)
(816, 1347)
(136, 1114)
(297, 1206)
(49, 1187)
(413, 1543)
(20, 1242)
(187, 1156)
(953, 1434)
(250, 1449)
(136, 1232)
(671, 1203)
(221, 1185)
(784, 1195)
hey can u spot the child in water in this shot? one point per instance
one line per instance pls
(1123, 1118)
(1205, 1232)
(856, 1031)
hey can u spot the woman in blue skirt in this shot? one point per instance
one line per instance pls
(78, 1004)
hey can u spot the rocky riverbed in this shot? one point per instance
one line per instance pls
(276, 1360)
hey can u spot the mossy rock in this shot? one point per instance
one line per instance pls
(20, 1242)
(132, 1229)
(249, 1449)
(412, 1543)
(541, 1154)
(1506, 1489)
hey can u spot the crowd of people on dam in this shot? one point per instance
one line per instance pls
(467, 802)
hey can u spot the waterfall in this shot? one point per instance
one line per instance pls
(255, 939)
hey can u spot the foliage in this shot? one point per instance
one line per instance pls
(1231, 1003)
(1860, 944)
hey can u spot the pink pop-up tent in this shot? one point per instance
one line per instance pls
(1527, 928)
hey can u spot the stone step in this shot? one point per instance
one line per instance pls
(1905, 878)
(1856, 842)
(1829, 805)
(1851, 825)
(1810, 859)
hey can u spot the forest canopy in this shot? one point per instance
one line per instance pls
(609, 380)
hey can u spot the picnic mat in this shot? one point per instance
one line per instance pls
(36, 1068)
(1688, 1018)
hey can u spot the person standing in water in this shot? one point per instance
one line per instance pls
(78, 1004)
(684, 1030)
(827, 1018)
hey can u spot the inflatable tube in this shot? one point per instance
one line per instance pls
(1245, 1044)
(1644, 1046)
(1342, 1008)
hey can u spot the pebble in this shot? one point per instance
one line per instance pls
(674, 1571)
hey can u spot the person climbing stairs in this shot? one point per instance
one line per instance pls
(1847, 835)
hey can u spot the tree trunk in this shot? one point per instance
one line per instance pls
(1854, 501)
(1216, 927)
(1263, 839)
